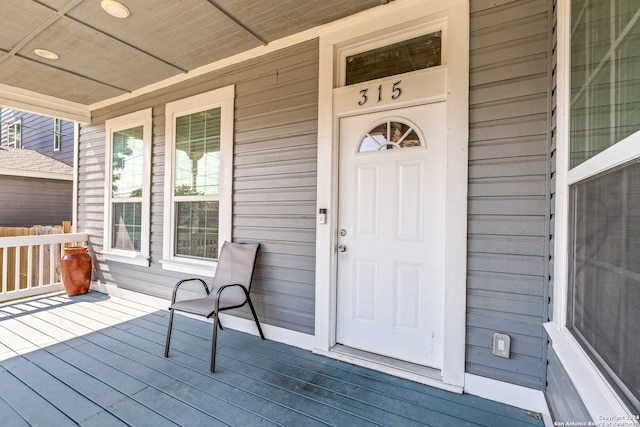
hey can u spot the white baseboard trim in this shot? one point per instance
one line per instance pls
(509, 394)
(273, 333)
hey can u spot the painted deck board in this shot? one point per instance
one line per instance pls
(94, 360)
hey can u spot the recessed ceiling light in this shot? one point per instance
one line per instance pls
(46, 54)
(115, 8)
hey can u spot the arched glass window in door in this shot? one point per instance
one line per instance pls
(390, 135)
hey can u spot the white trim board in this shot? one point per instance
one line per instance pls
(44, 105)
(509, 394)
(142, 118)
(273, 333)
(593, 388)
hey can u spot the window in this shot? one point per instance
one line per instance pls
(402, 57)
(198, 180)
(14, 134)
(602, 179)
(605, 273)
(127, 186)
(605, 76)
(56, 135)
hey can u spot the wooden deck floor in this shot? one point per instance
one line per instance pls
(95, 360)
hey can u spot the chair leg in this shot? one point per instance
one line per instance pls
(166, 346)
(214, 338)
(255, 317)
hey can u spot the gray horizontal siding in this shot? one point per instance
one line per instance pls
(25, 202)
(562, 396)
(508, 192)
(274, 181)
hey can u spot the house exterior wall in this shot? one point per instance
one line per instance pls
(508, 217)
(275, 139)
(37, 134)
(26, 202)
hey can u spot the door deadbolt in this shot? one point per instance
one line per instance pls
(343, 232)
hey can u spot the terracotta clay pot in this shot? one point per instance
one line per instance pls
(76, 270)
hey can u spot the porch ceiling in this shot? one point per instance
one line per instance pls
(101, 57)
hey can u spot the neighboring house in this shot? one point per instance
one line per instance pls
(50, 136)
(34, 189)
(470, 221)
(36, 169)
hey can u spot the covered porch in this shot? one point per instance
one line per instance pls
(97, 359)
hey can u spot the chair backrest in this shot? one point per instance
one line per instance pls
(236, 264)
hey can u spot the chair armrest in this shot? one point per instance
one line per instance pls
(177, 285)
(222, 288)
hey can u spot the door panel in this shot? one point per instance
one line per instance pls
(391, 208)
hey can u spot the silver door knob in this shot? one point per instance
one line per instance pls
(342, 248)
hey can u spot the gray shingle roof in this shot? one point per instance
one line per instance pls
(23, 161)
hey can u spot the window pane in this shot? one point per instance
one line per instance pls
(56, 134)
(605, 273)
(627, 80)
(605, 75)
(389, 136)
(409, 55)
(127, 163)
(14, 135)
(198, 154)
(127, 226)
(197, 229)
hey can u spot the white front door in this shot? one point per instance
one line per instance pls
(391, 233)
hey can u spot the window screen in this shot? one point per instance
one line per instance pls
(605, 274)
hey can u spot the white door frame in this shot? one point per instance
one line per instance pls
(404, 14)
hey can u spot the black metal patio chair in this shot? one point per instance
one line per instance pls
(230, 289)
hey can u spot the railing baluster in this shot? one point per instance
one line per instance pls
(41, 266)
(18, 273)
(29, 266)
(52, 263)
(5, 269)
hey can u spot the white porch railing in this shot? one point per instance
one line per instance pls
(30, 265)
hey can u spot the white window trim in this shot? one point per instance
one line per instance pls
(17, 142)
(142, 118)
(223, 98)
(393, 19)
(57, 134)
(401, 35)
(597, 394)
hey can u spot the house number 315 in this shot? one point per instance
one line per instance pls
(396, 91)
